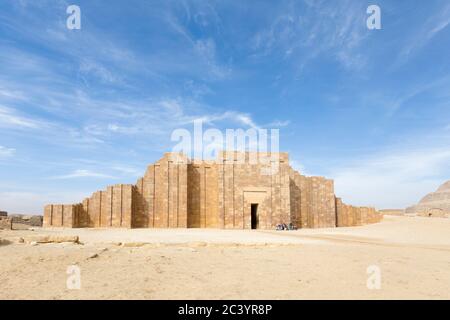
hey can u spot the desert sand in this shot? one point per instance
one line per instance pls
(412, 253)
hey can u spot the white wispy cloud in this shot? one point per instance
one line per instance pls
(82, 173)
(298, 166)
(162, 116)
(6, 152)
(435, 90)
(12, 94)
(128, 171)
(394, 179)
(427, 31)
(302, 34)
(82, 116)
(204, 49)
(10, 118)
(96, 54)
(278, 124)
(101, 72)
(235, 117)
(239, 117)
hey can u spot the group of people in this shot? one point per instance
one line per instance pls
(284, 226)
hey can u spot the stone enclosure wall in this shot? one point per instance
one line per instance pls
(312, 201)
(109, 208)
(348, 216)
(5, 223)
(33, 221)
(232, 192)
(393, 212)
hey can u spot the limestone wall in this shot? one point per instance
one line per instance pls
(312, 201)
(374, 216)
(161, 199)
(176, 192)
(350, 216)
(393, 212)
(110, 208)
(243, 181)
(5, 223)
(203, 196)
(62, 215)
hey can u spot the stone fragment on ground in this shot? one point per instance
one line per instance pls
(50, 239)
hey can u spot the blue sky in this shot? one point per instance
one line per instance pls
(82, 109)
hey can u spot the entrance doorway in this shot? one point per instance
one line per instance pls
(254, 215)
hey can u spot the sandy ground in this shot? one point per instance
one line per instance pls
(413, 256)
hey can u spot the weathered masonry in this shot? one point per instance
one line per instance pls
(232, 192)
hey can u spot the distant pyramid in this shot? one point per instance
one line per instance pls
(435, 204)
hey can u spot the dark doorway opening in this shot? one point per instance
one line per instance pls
(254, 214)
